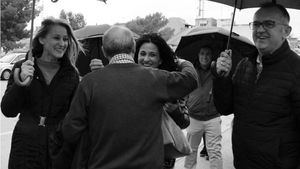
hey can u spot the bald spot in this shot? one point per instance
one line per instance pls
(274, 12)
(117, 34)
(118, 40)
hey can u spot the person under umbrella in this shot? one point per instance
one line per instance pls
(264, 95)
(44, 102)
(204, 118)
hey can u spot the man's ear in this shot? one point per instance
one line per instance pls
(287, 31)
(104, 53)
(41, 40)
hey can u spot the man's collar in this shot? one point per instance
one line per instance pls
(121, 58)
(277, 55)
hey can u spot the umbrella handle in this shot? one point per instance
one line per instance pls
(28, 80)
(229, 52)
(17, 80)
(222, 73)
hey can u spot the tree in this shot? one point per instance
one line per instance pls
(166, 33)
(15, 16)
(75, 20)
(63, 15)
(149, 24)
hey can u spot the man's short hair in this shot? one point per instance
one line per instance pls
(206, 47)
(281, 8)
(117, 40)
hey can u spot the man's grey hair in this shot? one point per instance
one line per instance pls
(117, 40)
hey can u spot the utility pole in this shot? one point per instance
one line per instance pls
(201, 9)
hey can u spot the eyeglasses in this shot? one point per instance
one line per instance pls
(268, 24)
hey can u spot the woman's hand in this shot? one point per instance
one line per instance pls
(170, 107)
(27, 70)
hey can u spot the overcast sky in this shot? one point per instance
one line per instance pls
(96, 12)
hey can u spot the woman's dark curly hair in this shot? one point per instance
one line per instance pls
(166, 53)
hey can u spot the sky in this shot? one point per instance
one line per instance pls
(121, 11)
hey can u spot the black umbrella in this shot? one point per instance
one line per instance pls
(216, 39)
(242, 4)
(92, 50)
(91, 38)
(91, 31)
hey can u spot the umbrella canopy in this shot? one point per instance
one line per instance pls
(92, 48)
(94, 31)
(174, 41)
(91, 38)
(91, 31)
(242, 4)
(216, 39)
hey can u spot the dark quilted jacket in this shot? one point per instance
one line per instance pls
(266, 110)
(30, 141)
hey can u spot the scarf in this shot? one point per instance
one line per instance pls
(121, 58)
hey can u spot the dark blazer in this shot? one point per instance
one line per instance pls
(30, 141)
(121, 106)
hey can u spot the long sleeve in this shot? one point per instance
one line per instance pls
(14, 96)
(295, 101)
(181, 115)
(180, 84)
(76, 119)
(223, 95)
(295, 98)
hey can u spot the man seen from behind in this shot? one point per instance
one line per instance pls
(121, 107)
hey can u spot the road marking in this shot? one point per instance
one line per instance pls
(5, 133)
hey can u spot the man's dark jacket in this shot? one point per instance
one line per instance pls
(266, 110)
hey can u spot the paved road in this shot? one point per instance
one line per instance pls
(6, 127)
(226, 149)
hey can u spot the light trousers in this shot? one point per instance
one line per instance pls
(212, 130)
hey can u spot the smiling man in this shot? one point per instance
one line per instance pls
(204, 118)
(264, 95)
(270, 29)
